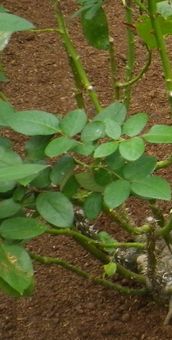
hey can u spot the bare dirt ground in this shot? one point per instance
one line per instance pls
(63, 306)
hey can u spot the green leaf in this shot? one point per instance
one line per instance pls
(8, 208)
(35, 147)
(55, 208)
(5, 143)
(93, 205)
(102, 176)
(71, 187)
(6, 111)
(28, 201)
(3, 9)
(9, 157)
(105, 237)
(17, 172)
(62, 170)
(21, 228)
(145, 30)
(112, 129)
(88, 182)
(90, 7)
(84, 149)
(42, 180)
(115, 161)
(105, 149)
(110, 268)
(73, 122)
(165, 8)
(159, 134)
(95, 29)
(3, 77)
(12, 23)
(26, 180)
(116, 193)
(19, 193)
(115, 111)
(92, 131)
(135, 124)
(16, 267)
(132, 149)
(7, 186)
(8, 290)
(140, 168)
(152, 187)
(33, 122)
(60, 145)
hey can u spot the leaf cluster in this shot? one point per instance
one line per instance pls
(98, 163)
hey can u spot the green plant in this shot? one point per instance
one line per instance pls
(100, 163)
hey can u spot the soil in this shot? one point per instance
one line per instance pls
(64, 306)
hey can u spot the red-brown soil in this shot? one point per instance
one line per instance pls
(64, 306)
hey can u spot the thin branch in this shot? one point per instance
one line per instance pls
(125, 225)
(73, 55)
(102, 245)
(113, 64)
(91, 246)
(128, 274)
(130, 52)
(167, 228)
(96, 280)
(157, 213)
(44, 30)
(139, 75)
(161, 46)
(164, 164)
(3, 96)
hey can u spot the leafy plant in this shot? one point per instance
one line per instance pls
(100, 162)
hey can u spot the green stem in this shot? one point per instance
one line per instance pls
(90, 245)
(164, 164)
(141, 6)
(125, 225)
(157, 214)
(73, 55)
(103, 282)
(87, 243)
(99, 254)
(130, 53)
(151, 267)
(166, 64)
(92, 248)
(79, 162)
(44, 30)
(2, 96)
(115, 245)
(138, 76)
(167, 228)
(113, 63)
(103, 245)
(78, 84)
(128, 274)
